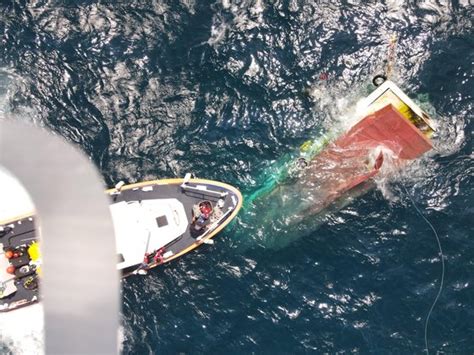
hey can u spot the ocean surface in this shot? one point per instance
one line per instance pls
(225, 89)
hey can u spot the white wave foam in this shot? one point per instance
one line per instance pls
(387, 173)
(21, 331)
(253, 68)
(339, 111)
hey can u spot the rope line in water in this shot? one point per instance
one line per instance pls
(442, 268)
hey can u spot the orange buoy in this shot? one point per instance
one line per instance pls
(11, 269)
(9, 254)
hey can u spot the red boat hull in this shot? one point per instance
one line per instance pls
(358, 155)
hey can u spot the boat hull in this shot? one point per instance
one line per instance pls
(19, 233)
(329, 171)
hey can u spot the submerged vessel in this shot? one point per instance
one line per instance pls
(154, 221)
(390, 126)
(338, 165)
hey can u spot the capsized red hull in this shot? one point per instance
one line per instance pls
(358, 155)
(389, 128)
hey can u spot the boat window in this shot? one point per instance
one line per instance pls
(120, 258)
(162, 221)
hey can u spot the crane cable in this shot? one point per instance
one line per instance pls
(391, 55)
(379, 79)
(441, 255)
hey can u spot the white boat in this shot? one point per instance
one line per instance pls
(154, 221)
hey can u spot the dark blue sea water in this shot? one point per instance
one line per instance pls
(223, 89)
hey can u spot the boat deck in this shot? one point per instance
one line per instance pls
(189, 198)
(16, 234)
(22, 232)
